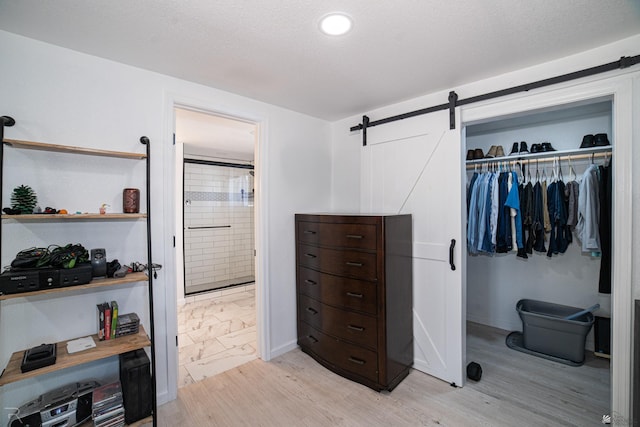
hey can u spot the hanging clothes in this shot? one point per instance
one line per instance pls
(572, 190)
(504, 241)
(513, 202)
(605, 188)
(526, 206)
(560, 237)
(545, 207)
(537, 226)
(587, 228)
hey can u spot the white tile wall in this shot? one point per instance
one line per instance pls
(217, 199)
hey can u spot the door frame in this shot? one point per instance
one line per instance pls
(620, 90)
(261, 230)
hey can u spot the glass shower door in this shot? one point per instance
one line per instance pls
(218, 225)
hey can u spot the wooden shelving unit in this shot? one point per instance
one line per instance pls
(107, 348)
(102, 350)
(95, 283)
(42, 146)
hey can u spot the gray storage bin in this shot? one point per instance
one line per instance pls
(545, 330)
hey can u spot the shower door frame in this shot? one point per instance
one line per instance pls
(208, 163)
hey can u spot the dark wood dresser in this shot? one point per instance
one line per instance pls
(354, 295)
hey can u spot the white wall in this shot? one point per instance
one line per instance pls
(65, 97)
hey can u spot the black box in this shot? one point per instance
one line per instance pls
(135, 378)
(602, 335)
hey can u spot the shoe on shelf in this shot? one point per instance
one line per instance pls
(469, 154)
(546, 146)
(523, 147)
(499, 151)
(478, 154)
(492, 152)
(600, 140)
(514, 149)
(587, 141)
(536, 148)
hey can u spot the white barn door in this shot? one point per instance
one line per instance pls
(414, 166)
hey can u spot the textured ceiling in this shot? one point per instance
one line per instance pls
(271, 50)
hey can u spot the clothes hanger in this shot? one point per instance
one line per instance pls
(537, 172)
(560, 176)
(572, 172)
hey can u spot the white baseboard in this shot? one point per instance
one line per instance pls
(279, 351)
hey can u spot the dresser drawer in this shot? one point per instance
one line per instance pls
(346, 356)
(338, 291)
(351, 326)
(308, 232)
(359, 265)
(348, 236)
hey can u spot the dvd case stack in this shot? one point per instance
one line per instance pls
(108, 410)
(127, 324)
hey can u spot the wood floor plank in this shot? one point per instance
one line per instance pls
(294, 390)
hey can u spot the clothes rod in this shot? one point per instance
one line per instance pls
(623, 62)
(533, 161)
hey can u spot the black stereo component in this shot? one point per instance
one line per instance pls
(69, 405)
(39, 357)
(14, 282)
(135, 378)
(19, 281)
(99, 262)
(79, 275)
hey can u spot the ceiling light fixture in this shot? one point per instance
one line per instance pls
(335, 24)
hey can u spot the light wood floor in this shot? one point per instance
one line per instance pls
(516, 389)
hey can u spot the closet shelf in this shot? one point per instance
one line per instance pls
(95, 283)
(548, 156)
(102, 350)
(32, 145)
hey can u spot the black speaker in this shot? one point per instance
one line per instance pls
(135, 378)
(602, 335)
(98, 262)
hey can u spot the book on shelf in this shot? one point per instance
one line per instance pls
(114, 318)
(100, 321)
(107, 321)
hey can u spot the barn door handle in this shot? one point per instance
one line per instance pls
(451, 247)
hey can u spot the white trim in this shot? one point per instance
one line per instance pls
(172, 101)
(620, 89)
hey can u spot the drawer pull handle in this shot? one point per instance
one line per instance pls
(354, 264)
(354, 236)
(312, 311)
(312, 338)
(309, 232)
(352, 294)
(356, 360)
(311, 282)
(356, 328)
(310, 255)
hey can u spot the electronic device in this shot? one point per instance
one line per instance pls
(18, 281)
(38, 357)
(135, 377)
(66, 406)
(99, 262)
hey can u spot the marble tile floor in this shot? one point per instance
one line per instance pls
(216, 332)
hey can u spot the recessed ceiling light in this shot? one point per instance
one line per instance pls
(335, 24)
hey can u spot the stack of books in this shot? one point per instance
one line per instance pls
(127, 324)
(107, 320)
(108, 410)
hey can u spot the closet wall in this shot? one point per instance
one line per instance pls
(496, 283)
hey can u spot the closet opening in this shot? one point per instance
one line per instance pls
(561, 257)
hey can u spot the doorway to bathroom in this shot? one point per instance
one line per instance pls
(216, 287)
